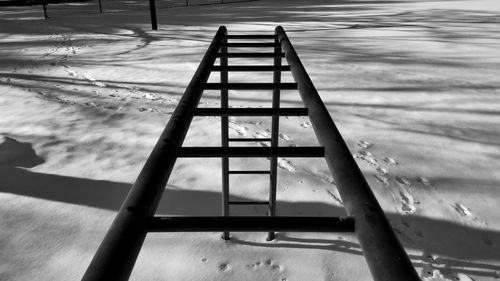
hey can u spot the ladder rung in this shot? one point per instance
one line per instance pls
(284, 111)
(249, 172)
(250, 36)
(251, 68)
(248, 202)
(251, 224)
(251, 55)
(251, 44)
(250, 86)
(248, 139)
(240, 151)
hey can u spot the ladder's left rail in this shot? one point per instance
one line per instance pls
(117, 254)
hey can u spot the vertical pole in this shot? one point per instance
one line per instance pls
(224, 102)
(45, 10)
(187, 2)
(274, 138)
(100, 7)
(152, 9)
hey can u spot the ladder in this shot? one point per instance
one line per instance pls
(116, 256)
(275, 112)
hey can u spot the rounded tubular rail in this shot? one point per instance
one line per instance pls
(383, 252)
(116, 256)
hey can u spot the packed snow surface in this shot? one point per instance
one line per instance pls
(412, 85)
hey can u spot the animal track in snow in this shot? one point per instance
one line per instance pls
(72, 73)
(382, 171)
(335, 197)
(306, 124)
(286, 165)
(267, 264)
(402, 182)
(284, 137)
(94, 81)
(382, 178)
(262, 134)
(462, 210)
(390, 161)
(367, 156)
(324, 177)
(224, 266)
(240, 130)
(424, 181)
(408, 202)
(364, 144)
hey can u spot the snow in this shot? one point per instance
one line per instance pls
(412, 85)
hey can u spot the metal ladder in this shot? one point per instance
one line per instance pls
(277, 86)
(118, 251)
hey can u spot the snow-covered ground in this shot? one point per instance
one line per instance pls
(412, 85)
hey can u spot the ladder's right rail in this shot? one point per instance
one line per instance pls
(383, 252)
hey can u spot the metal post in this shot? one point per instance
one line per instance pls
(383, 252)
(118, 251)
(224, 125)
(187, 2)
(152, 9)
(274, 139)
(100, 7)
(45, 10)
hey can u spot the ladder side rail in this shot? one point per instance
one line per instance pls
(274, 138)
(224, 103)
(117, 253)
(385, 256)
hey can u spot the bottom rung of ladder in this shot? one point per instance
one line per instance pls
(251, 224)
(248, 202)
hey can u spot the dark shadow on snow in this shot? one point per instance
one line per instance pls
(452, 242)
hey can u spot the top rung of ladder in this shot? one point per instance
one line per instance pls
(250, 36)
